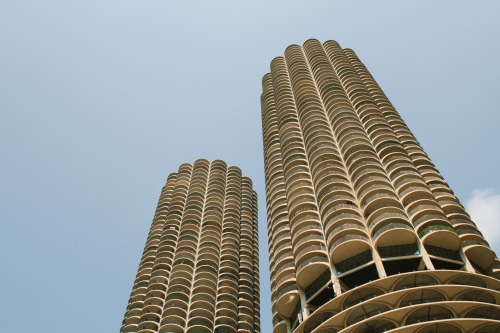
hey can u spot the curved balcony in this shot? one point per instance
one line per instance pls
(429, 313)
(226, 325)
(287, 297)
(280, 326)
(429, 219)
(200, 325)
(366, 181)
(311, 262)
(485, 312)
(469, 232)
(173, 322)
(394, 233)
(380, 214)
(341, 229)
(202, 310)
(349, 246)
(440, 235)
(495, 269)
(479, 252)
(366, 311)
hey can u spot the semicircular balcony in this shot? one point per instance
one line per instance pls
(495, 269)
(304, 218)
(484, 311)
(422, 296)
(358, 155)
(157, 290)
(331, 180)
(424, 208)
(310, 264)
(282, 250)
(299, 200)
(149, 322)
(333, 189)
(173, 320)
(200, 325)
(477, 295)
(298, 185)
(393, 232)
(440, 235)
(322, 149)
(205, 281)
(201, 309)
(346, 228)
(375, 325)
(365, 311)
(368, 162)
(372, 202)
(381, 212)
(328, 169)
(429, 313)
(282, 263)
(182, 270)
(368, 180)
(347, 207)
(479, 252)
(355, 144)
(226, 324)
(419, 221)
(360, 295)
(404, 172)
(336, 221)
(287, 296)
(468, 232)
(348, 246)
(418, 196)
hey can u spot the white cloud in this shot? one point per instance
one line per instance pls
(484, 209)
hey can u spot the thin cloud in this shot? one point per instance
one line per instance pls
(484, 209)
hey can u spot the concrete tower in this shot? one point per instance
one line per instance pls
(200, 269)
(364, 233)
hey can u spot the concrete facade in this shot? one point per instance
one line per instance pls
(364, 233)
(200, 268)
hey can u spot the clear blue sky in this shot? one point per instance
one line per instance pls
(101, 100)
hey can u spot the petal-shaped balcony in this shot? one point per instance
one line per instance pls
(429, 313)
(441, 235)
(364, 311)
(393, 232)
(200, 325)
(172, 322)
(346, 228)
(287, 297)
(336, 220)
(348, 246)
(479, 252)
(375, 325)
(360, 295)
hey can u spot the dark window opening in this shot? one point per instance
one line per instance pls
(393, 267)
(443, 253)
(353, 262)
(295, 315)
(441, 264)
(324, 296)
(319, 283)
(478, 268)
(360, 277)
(398, 251)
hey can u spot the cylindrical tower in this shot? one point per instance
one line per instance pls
(364, 233)
(200, 269)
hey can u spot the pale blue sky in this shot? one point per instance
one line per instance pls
(101, 100)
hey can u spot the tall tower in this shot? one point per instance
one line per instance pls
(364, 233)
(200, 269)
